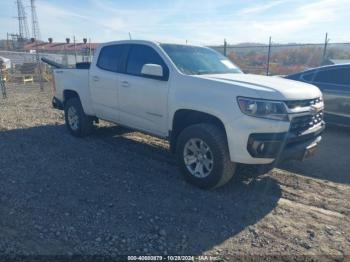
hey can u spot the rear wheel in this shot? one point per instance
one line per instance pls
(203, 156)
(78, 123)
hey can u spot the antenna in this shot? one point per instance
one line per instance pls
(35, 22)
(23, 30)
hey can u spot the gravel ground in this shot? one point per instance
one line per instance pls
(120, 192)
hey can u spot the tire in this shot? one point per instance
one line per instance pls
(220, 168)
(82, 124)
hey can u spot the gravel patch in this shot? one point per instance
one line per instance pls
(120, 192)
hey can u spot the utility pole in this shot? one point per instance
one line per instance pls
(75, 50)
(65, 51)
(86, 51)
(35, 21)
(268, 58)
(36, 37)
(90, 50)
(23, 31)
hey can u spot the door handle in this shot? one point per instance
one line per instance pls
(125, 84)
(95, 78)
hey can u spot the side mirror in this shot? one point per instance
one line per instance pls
(152, 70)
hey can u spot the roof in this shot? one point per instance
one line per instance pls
(331, 66)
(149, 42)
(322, 67)
(339, 61)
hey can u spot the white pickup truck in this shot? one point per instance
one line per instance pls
(213, 115)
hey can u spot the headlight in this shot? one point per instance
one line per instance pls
(263, 108)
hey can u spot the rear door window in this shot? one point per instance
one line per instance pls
(112, 58)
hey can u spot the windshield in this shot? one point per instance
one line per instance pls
(194, 60)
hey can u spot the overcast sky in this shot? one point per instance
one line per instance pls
(198, 21)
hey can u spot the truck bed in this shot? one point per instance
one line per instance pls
(71, 79)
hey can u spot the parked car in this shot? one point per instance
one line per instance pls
(334, 82)
(213, 115)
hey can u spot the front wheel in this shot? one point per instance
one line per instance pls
(203, 156)
(78, 123)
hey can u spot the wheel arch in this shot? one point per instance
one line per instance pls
(68, 93)
(183, 118)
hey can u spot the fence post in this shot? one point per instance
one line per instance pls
(225, 47)
(65, 57)
(325, 49)
(7, 42)
(90, 50)
(268, 58)
(2, 81)
(39, 72)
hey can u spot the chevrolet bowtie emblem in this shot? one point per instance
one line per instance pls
(314, 109)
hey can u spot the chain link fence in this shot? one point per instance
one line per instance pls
(271, 59)
(278, 59)
(23, 67)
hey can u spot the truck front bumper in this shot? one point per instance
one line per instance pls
(286, 145)
(246, 134)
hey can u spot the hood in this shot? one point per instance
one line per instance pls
(269, 87)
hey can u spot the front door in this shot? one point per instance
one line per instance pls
(144, 100)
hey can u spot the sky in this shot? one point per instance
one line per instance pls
(205, 22)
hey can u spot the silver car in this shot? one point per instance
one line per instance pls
(334, 82)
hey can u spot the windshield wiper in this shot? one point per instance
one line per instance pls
(211, 72)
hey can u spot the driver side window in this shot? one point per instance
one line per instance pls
(140, 55)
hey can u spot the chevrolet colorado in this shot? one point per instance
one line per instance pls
(213, 115)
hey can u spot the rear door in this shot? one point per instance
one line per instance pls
(104, 81)
(335, 86)
(143, 99)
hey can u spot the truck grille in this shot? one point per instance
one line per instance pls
(303, 103)
(302, 123)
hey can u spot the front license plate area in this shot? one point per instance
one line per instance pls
(310, 151)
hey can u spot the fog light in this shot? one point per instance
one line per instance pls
(264, 146)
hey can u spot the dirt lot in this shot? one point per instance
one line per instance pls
(119, 192)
